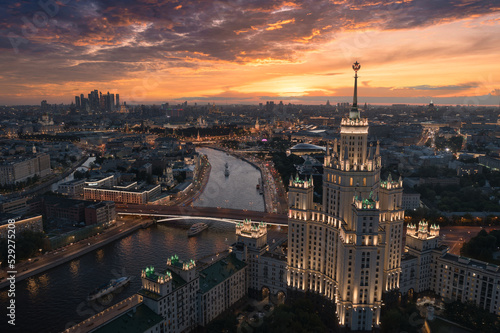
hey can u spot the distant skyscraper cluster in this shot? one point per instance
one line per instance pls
(97, 101)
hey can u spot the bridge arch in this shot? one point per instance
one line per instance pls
(265, 292)
(281, 296)
(177, 218)
(165, 217)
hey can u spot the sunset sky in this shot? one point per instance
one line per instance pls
(251, 51)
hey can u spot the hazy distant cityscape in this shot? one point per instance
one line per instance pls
(76, 177)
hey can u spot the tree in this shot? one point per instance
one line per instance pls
(482, 246)
(28, 244)
(470, 315)
(300, 317)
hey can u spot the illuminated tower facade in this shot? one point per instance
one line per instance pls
(341, 249)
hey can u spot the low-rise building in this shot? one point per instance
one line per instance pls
(468, 169)
(34, 224)
(19, 169)
(467, 280)
(64, 209)
(221, 285)
(139, 319)
(15, 206)
(103, 212)
(131, 193)
(105, 181)
(73, 188)
(75, 211)
(490, 162)
(427, 266)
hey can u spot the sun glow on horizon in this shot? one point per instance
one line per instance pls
(286, 52)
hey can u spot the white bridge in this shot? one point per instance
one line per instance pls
(167, 218)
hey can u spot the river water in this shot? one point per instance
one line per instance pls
(83, 167)
(237, 191)
(54, 300)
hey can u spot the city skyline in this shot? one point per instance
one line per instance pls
(222, 52)
(342, 248)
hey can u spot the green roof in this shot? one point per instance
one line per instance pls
(177, 282)
(219, 271)
(132, 322)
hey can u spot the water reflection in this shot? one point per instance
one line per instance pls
(236, 191)
(127, 247)
(72, 175)
(74, 266)
(32, 287)
(49, 302)
(44, 280)
(99, 255)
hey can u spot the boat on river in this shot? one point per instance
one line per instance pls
(108, 288)
(196, 229)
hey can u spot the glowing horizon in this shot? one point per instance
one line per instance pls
(215, 51)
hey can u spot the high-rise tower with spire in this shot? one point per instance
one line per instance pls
(349, 248)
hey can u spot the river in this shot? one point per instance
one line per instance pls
(237, 191)
(83, 167)
(54, 300)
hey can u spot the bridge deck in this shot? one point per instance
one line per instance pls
(189, 211)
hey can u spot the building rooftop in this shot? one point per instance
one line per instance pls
(219, 271)
(471, 262)
(74, 181)
(5, 217)
(274, 255)
(140, 320)
(182, 186)
(132, 189)
(177, 280)
(407, 256)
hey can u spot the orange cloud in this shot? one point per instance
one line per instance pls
(407, 50)
(280, 24)
(315, 33)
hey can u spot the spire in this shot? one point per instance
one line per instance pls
(354, 114)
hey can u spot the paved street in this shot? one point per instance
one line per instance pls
(455, 236)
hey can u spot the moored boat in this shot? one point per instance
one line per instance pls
(197, 228)
(108, 288)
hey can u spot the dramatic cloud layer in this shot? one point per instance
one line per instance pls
(152, 50)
